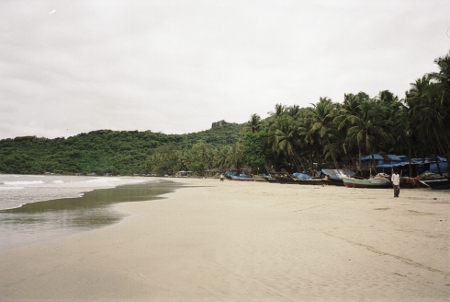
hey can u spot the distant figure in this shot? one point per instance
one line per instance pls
(395, 178)
(221, 177)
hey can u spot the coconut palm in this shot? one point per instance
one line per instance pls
(323, 116)
(285, 140)
(235, 156)
(442, 78)
(396, 121)
(366, 128)
(254, 124)
(294, 112)
(350, 107)
(428, 118)
(279, 111)
(221, 157)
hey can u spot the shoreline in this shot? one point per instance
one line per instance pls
(89, 207)
(247, 241)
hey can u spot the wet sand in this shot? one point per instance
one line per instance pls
(248, 241)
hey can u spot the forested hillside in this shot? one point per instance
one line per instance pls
(103, 151)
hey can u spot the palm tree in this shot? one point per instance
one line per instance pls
(254, 124)
(428, 118)
(442, 80)
(294, 112)
(350, 107)
(279, 111)
(366, 128)
(235, 156)
(284, 139)
(396, 121)
(221, 157)
(323, 124)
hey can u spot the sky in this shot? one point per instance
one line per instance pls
(74, 66)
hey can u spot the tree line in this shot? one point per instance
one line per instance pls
(105, 151)
(332, 134)
(325, 134)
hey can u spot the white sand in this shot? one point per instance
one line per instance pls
(248, 241)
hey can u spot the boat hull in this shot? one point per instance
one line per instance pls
(366, 183)
(437, 184)
(312, 181)
(336, 181)
(260, 178)
(284, 179)
(242, 178)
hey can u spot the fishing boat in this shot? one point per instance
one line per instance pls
(370, 183)
(434, 181)
(284, 179)
(261, 178)
(242, 178)
(437, 184)
(312, 181)
(411, 182)
(335, 176)
(230, 174)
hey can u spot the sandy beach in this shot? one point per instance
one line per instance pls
(248, 241)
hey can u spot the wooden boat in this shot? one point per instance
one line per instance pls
(434, 181)
(411, 182)
(284, 179)
(260, 178)
(229, 174)
(371, 183)
(271, 179)
(335, 175)
(312, 181)
(242, 178)
(437, 184)
(335, 181)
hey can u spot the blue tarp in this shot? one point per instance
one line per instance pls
(369, 157)
(420, 165)
(393, 157)
(442, 165)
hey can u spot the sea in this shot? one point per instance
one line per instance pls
(35, 208)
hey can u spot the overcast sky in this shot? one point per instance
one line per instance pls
(74, 66)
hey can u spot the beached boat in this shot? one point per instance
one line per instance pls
(229, 174)
(434, 181)
(437, 184)
(335, 176)
(411, 182)
(242, 178)
(306, 179)
(284, 179)
(371, 183)
(311, 181)
(288, 179)
(261, 178)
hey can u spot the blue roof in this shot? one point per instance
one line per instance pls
(393, 157)
(370, 157)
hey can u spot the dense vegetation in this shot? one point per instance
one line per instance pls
(332, 134)
(104, 151)
(292, 138)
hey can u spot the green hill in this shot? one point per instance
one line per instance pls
(103, 151)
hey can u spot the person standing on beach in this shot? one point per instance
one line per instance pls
(395, 178)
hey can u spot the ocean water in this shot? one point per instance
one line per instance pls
(41, 207)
